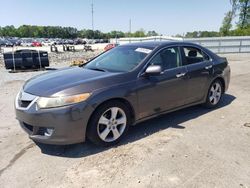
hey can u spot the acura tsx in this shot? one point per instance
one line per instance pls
(119, 88)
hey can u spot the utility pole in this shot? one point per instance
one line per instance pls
(92, 12)
(130, 26)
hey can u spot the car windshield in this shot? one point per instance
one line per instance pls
(119, 59)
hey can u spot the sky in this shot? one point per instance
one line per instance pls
(167, 17)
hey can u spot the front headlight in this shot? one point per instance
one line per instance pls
(44, 102)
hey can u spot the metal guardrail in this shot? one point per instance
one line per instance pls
(215, 44)
(224, 44)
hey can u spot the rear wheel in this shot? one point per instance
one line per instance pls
(214, 94)
(109, 124)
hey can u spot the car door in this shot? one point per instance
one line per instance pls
(200, 68)
(165, 91)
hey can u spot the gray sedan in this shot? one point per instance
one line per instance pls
(119, 88)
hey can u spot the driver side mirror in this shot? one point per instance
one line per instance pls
(153, 70)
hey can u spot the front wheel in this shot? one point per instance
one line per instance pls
(214, 94)
(109, 124)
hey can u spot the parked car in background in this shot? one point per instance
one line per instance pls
(97, 41)
(119, 88)
(79, 41)
(91, 41)
(110, 46)
(58, 42)
(36, 44)
(104, 40)
(48, 42)
(26, 42)
(1, 42)
(15, 41)
(70, 41)
(6, 43)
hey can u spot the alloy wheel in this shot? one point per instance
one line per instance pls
(112, 124)
(215, 93)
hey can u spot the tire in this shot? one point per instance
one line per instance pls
(214, 94)
(107, 129)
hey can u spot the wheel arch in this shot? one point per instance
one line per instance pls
(221, 79)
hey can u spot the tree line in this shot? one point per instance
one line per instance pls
(66, 32)
(240, 11)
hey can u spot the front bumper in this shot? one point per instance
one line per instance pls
(68, 123)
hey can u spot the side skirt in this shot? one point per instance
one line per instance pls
(168, 111)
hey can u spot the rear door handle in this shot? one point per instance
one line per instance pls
(208, 67)
(180, 75)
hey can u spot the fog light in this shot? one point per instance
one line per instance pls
(48, 132)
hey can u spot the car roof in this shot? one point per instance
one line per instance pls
(154, 44)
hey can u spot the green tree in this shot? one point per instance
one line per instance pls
(8, 31)
(198, 34)
(139, 33)
(66, 32)
(116, 34)
(226, 24)
(240, 32)
(152, 33)
(24, 31)
(194, 34)
(244, 16)
(229, 16)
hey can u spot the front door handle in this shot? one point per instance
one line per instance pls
(180, 75)
(208, 67)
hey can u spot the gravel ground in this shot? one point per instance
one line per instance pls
(194, 147)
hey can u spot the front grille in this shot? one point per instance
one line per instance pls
(24, 104)
(24, 100)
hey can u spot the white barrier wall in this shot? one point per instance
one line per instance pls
(215, 44)
(224, 44)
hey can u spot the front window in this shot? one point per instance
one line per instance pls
(119, 59)
(168, 58)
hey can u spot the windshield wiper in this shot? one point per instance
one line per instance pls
(97, 69)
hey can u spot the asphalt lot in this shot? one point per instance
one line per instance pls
(194, 147)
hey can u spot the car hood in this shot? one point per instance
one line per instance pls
(70, 81)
